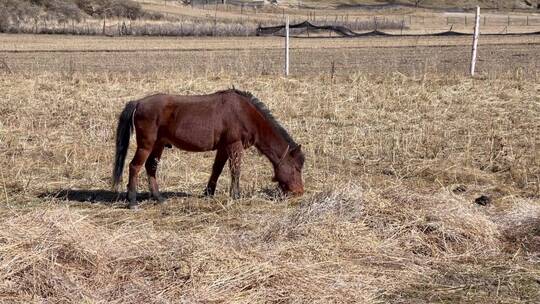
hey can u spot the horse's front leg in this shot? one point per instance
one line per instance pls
(234, 153)
(217, 168)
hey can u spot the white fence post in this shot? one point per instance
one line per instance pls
(287, 46)
(475, 40)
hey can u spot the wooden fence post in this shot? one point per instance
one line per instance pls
(475, 40)
(215, 19)
(332, 71)
(287, 47)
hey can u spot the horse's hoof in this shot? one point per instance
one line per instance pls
(160, 200)
(208, 192)
(132, 197)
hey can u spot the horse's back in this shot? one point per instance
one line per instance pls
(193, 123)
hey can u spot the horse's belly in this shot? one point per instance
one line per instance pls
(193, 139)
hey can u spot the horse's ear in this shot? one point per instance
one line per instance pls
(296, 150)
(297, 155)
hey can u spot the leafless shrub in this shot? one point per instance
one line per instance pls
(139, 28)
(370, 25)
(14, 12)
(112, 8)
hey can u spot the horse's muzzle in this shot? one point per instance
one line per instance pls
(291, 190)
(295, 192)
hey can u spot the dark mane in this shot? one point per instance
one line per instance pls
(261, 107)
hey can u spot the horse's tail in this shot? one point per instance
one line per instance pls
(123, 133)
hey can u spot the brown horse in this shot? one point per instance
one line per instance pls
(227, 121)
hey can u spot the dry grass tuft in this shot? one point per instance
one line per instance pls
(441, 224)
(521, 225)
(340, 205)
(58, 254)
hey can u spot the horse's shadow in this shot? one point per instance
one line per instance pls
(103, 196)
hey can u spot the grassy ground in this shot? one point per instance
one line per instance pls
(393, 168)
(399, 147)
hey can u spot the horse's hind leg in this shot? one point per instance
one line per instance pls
(134, 168)
(217, 168)
(151, 168)
(234, 153)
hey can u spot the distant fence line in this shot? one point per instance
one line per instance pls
(246, 24)
(460, 18)
(307, 26)
(428, 22)
(248, 28)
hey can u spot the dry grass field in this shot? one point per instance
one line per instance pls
(400, 146)
(411, 56)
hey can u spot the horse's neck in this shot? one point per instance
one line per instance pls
(271, 144)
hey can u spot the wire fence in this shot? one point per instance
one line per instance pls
(449, 56)
(276, 14)
(304, 29)
(409, 55)
(202, 26)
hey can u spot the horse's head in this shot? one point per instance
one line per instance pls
(288, 171)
